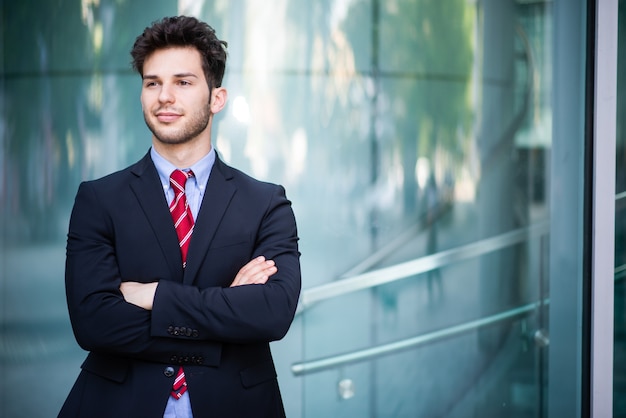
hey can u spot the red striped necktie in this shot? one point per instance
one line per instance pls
(183, 222)
(181, 214)
(180, 384)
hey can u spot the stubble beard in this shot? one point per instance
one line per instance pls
(195, 125)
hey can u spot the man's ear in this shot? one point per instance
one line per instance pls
(219, 96)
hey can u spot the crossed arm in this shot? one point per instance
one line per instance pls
(257, 271)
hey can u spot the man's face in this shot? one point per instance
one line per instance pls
(175, 96)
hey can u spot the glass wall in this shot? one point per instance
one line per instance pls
(427, 147)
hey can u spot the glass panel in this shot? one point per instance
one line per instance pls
(462, 138)
(619, 376)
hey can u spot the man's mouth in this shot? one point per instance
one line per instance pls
(168, 116)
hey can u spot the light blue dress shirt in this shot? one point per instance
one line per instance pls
(194, 190)
(195, 186)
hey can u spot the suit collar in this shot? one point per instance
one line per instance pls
(217, 197)
(149, 192)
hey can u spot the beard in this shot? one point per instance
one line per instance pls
(197, 122)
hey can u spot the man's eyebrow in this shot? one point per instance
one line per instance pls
(178, 75)
(183, 75)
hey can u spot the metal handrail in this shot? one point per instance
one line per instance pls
(411, 268)
(313, 366)
(418, 266)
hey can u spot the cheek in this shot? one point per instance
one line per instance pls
(145, 102)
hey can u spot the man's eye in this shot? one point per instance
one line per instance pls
(184, 83)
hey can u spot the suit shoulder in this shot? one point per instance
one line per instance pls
(247, 181)
(112, 183)
(123, 175)
(114, 177)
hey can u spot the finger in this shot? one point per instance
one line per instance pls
(262, 276)
(251, 265)
(255, 273)
(263, 269)
(258, 276)
(241, 274)
(254, 262)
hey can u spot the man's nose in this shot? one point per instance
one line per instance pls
(166, 95)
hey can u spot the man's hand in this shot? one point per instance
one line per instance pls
(257, 271)
(139, 294)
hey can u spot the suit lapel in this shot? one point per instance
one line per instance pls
(217, 197)
(147, 187)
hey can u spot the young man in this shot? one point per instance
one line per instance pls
(180, 269)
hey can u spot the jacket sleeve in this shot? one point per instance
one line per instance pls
(242, 314)
(101, 319)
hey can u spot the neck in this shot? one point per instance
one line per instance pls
(182, 155)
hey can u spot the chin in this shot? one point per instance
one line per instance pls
(171, 140)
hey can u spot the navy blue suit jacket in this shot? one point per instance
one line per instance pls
(121, 230)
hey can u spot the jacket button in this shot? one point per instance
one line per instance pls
(169, 371)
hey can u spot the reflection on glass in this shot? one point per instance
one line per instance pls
(457, 137)
(404, 131)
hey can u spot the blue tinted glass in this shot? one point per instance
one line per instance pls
(415, 140)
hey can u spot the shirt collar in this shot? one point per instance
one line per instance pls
(201, 169)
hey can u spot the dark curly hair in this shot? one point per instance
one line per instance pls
(183, 31)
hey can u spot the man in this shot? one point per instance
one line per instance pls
(177, 285)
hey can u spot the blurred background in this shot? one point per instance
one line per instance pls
(434, 152)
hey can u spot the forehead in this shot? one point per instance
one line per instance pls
(174, 60)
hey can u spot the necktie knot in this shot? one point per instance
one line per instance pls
(178, 179)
